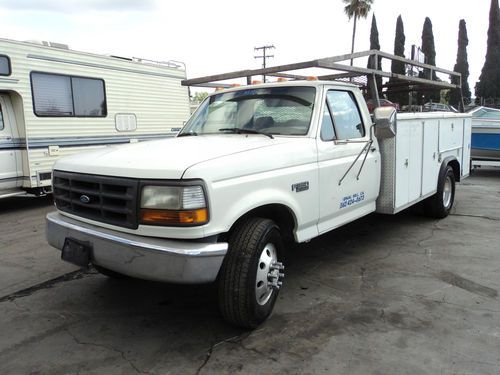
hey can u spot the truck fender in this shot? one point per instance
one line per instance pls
(268, 203)
(454, 163)
(256, 205)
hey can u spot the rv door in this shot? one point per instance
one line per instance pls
(10, 154)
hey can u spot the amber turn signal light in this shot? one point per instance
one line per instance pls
(171, 217)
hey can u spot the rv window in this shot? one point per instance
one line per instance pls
(88, 95)
(4, 66)
(52, 95)
(57, 95)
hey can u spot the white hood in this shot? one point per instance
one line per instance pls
(165, 159)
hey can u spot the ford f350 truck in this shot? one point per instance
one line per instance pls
(254, 168)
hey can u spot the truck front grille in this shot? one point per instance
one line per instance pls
(111, 200)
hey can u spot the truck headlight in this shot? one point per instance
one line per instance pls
(173, 205)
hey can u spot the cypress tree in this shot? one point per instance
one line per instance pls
(429, 50)
(398, 67)
(374, 44)
(462, 66)
(488, 85)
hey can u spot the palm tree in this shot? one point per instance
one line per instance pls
(356, 9)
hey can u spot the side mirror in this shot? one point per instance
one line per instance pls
(385, 122)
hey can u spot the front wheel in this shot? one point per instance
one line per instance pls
(440, 204)
(252, 273)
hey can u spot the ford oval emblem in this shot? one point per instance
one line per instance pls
(84, 199)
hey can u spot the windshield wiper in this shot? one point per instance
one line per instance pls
(245, 131)
(187, 134)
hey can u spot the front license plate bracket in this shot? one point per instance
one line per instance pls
(76, 252)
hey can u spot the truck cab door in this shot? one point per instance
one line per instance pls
(10, 158)
(348, 187)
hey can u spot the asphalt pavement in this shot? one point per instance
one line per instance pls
(400, 294)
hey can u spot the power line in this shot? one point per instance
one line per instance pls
(264, 57)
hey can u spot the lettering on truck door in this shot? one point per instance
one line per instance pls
(343, 136)
(8, 162)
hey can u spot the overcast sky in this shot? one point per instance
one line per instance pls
(219, 35)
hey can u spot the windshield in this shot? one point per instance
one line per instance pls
(273, 110)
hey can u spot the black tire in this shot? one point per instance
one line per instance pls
(239, 278)
(109, 273)
(440, 204)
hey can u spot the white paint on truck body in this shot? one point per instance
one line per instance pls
(323, 181)
(243, 172)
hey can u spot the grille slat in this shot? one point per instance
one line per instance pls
(117, 196)
(116, 210)
(87, 205)
(111, 200)
(80, 190)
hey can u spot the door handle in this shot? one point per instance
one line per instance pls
(373, 149)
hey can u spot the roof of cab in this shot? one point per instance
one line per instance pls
(312, 83)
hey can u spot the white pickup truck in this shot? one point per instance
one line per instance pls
(254, 167)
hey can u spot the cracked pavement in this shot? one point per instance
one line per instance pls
(383, 295)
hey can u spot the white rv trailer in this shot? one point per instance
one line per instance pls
(55, 102)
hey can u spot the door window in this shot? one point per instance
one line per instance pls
(327, 131)
(346, 117)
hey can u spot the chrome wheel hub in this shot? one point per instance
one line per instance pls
(269, 274)
(447, 192)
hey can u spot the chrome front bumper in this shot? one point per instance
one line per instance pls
(177, 261)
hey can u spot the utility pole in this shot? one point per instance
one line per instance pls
(264, 57)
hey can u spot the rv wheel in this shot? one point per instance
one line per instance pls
(252, 273)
